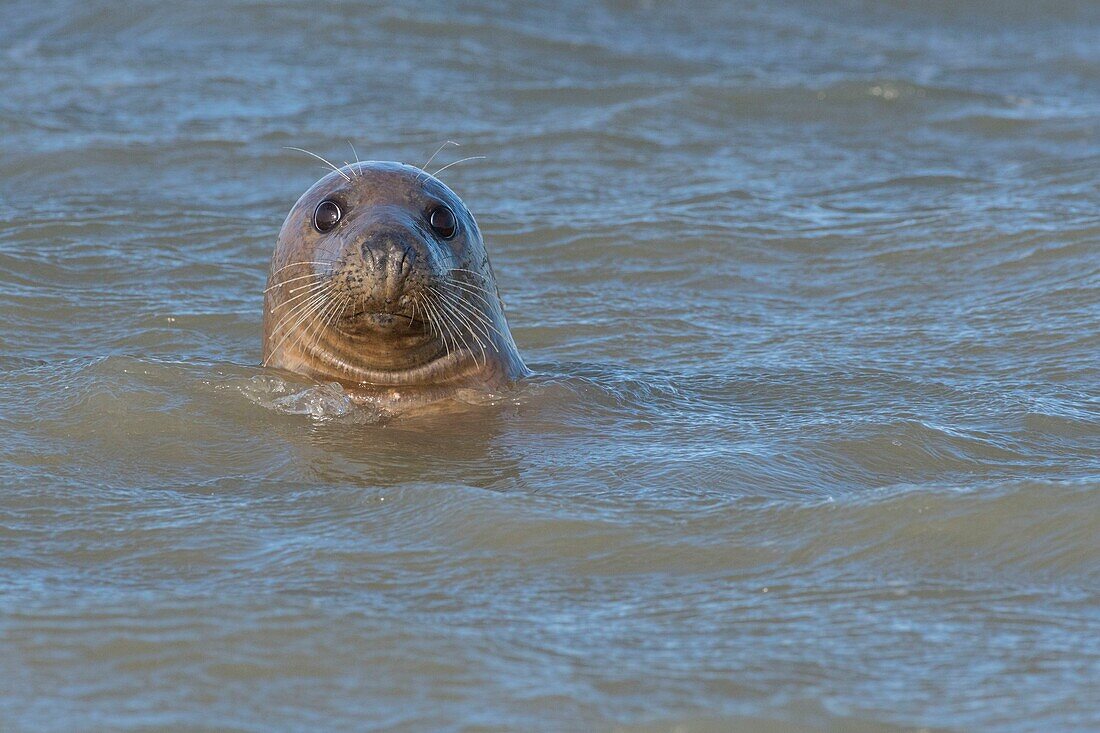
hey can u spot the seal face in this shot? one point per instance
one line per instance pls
(380, 281)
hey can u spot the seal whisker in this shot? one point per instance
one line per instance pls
(472, 272)
(312, 322)
(289, 280)
(481, 345)
(311, 327)
(437, 151)
(485, 278)
(464, 319)
(475, 318)
(460, 160)
(307, 286)
(322, 322)
(299, 262)
(318, 157)
(481, 293)
(473, 312)
(299, 315)
(468, 306)
(347, 302)
(474, 327)
(280, 283)
(295, 309)
(452, 318)
(450, 343)
(419, 313)
(358, 163)
(422, 309)
(473, 286)
(316, 288)
(434, 324)
(300, 312)
(486, 296)
(305, 315)
(299, 300)
(336, 314)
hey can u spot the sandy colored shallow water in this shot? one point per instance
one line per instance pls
(812, 296)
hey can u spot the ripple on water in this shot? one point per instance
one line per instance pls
(810, 294)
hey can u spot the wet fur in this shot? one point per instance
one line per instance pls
(381, 304)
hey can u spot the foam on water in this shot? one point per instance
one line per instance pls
(319, 402)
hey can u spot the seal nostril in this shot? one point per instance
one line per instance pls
(370, 254)
(404, 267)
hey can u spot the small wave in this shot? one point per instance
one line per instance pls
(318, 401)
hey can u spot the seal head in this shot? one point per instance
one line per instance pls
(380, 281)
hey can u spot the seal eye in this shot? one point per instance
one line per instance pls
(443, 222)
(326, 215)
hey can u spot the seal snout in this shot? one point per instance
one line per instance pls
(389, 254)
(380, 271)
(389, 258)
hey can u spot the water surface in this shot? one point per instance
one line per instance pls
(812, 295)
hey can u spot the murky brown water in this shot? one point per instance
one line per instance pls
(813, 298)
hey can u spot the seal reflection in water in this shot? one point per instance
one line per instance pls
(380, 281)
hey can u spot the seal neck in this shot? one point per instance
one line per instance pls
(410, 359)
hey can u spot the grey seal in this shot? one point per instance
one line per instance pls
(380, 281)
